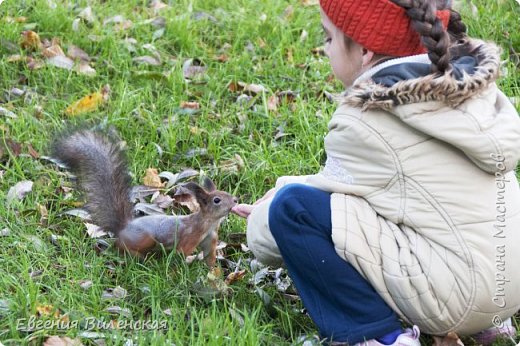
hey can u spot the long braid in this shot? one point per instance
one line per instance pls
(433, 36)
(456, 28)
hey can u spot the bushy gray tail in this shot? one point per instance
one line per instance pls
(102, 172)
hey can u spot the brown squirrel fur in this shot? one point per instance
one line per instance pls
(102, 173)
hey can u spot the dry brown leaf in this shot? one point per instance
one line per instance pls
(53, 50)
(90, 102)
(222, 58)
(30, 40)
(46, 310)
(62, 341)
(77, 53)
(157, 5)
(234, 276)
(190, 105)
(152, 178)
(272, 103)
(20, 19)
(452, 339)
(34, 154)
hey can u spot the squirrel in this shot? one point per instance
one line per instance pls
(100, 167)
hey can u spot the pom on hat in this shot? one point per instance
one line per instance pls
(378, 25)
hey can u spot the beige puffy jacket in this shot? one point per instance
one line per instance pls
(425, 202)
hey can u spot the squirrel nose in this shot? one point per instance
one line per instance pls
(235, 199)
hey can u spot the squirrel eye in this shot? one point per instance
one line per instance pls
(216, 200)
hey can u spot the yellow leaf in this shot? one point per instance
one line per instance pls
(45, 310)
(89, 103)
(30, 40)
(152, 178)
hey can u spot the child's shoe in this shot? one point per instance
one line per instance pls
(410, 337)
(488, 336)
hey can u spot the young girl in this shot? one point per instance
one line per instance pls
(416, 214)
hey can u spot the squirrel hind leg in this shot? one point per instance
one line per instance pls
(136, 246)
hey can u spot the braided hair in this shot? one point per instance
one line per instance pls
(433, 36)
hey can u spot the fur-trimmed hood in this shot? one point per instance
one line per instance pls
(446, 88)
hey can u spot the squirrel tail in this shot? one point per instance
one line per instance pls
(102, 172)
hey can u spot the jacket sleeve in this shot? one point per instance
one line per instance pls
(259, 238)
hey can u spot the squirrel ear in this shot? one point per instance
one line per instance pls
(192, 189)
(183, 195)
(208, 185)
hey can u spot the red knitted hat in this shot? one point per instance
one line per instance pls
(378, 25)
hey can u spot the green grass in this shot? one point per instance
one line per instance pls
(143, 97)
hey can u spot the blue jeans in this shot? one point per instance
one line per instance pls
(339, 300)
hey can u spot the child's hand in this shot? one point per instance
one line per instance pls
(243, 210)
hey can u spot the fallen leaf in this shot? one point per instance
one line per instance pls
(90, 102)
(81, 213)
(87, 15)
(115, 19)
(34, 64)
(272, 103)
(157, 5)
(190, 105)
(85, 284)
(124, 25)
(193, 68)
(203, 16)
(7, 113)
(119, 310)
(117, 292)
(152, 178)
(19, 190)
(158, 33)
(158, 22)
(451, 339)
(44, 213)
(222, 58)
(147, 59)
(46, 310)
(34, 154)
(62, 341)
(288, 12)
(53, 50)
(30, 40)
(94, 231)
(61, 62)
(84, 68)
(234, 277)
(77, 53)
(251, 88)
